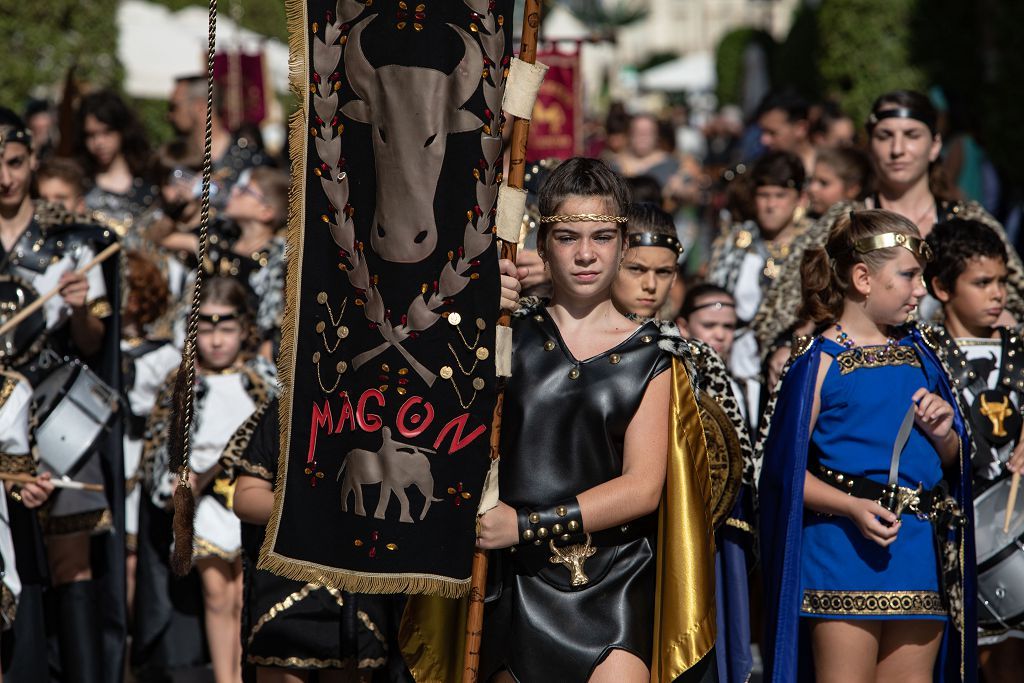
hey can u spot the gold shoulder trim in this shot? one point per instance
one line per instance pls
(801, 345)
(876, 357)
(100, 308)
(7, 388)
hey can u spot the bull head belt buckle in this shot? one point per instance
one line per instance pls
(572, 558)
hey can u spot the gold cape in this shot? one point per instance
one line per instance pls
(432, 634)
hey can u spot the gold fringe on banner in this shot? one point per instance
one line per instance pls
(298, 77)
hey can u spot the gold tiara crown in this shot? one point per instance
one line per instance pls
(915, 245)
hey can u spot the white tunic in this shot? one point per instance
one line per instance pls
(56, 310)
(226, 406)
(14, 426)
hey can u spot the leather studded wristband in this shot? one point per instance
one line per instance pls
(561, 521)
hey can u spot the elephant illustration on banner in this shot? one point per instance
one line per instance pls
(396, 466)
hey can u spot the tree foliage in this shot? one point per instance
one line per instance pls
(866, 51)
(729, 61)
(42, 40)
(263, 16)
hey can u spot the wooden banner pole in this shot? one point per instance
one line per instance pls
(515, 178)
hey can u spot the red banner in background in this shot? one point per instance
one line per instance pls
(241, 77)
(556, 130)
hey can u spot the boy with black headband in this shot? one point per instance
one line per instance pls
(968, 277)
(648, 268)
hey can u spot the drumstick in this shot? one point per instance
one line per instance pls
(18, 317)
(57, 483)
(1011, 501)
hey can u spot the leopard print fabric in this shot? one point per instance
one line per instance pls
(233, 461)
(711, 376)
(260, 381)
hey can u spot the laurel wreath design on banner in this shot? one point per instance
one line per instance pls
(424, 308)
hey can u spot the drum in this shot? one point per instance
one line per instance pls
(1000, 559)
(74, 407)
(25, 340)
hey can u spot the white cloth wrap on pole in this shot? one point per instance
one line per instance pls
(511, 209)
(503, 351)
(521, 89)
(489, 494)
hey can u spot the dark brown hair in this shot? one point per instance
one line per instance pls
(64, 169)
(227, 291)
(111, 110)
(825, 273)
(649, 217)
(582, 177)
(954, 243)
(851, 165)
(148, 295)
(779, 169)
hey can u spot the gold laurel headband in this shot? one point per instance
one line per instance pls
(915, 245)
(582, 218)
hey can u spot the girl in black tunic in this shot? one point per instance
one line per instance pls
(584, 447)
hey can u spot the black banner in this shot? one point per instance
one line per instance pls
(387, 359)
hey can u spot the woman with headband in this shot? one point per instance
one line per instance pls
(904, 145)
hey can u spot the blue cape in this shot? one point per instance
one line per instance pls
(781, 490)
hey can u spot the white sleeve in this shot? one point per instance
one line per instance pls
(14, 421)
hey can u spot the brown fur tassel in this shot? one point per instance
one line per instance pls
(184, 519)
(181, 405)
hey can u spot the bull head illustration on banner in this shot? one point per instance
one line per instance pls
(411, 110)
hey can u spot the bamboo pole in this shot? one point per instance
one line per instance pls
(515, 178)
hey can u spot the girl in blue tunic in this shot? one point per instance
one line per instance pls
(860, 579)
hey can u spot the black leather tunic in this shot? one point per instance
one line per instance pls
(565, 423)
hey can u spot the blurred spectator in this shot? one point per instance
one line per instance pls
(616, 131)
(644, 188)
(722, 134)
(186, 112)
(644, 153)
(840, 174)
(62, 181)
(111, 144)
(689, 141)
(41, 121)
(831, 127)
(785, 126)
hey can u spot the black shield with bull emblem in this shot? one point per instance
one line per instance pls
(393, 293)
